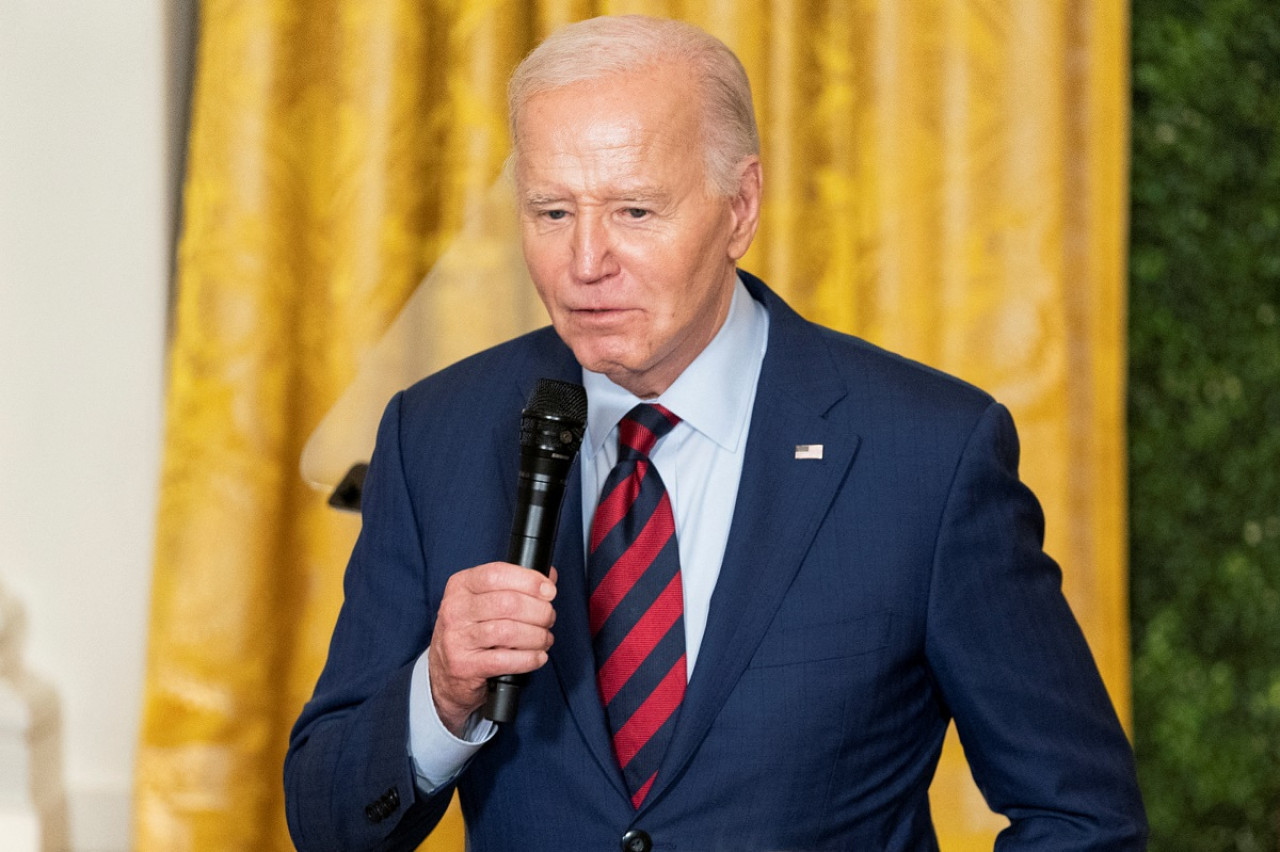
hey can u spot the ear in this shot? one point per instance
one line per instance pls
(744, 207)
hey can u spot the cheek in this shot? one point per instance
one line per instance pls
(542, 270)
(544, 293)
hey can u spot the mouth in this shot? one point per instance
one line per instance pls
(600, 313)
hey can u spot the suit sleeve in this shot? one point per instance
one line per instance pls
(1038, 728)
(349, 780)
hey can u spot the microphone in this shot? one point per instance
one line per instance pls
(551, 429)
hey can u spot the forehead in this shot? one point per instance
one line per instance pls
(619, 123)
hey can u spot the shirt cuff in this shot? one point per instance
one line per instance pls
(438, 756)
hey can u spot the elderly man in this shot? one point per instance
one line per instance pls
(830, 549)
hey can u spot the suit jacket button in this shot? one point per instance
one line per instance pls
(384, 807)
(636, 840)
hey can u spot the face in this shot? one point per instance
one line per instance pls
(630, 250)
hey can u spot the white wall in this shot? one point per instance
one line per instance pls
(87, 177)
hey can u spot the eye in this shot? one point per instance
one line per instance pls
(554, 215)
(636, 212)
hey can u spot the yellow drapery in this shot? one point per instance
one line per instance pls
(944, 177)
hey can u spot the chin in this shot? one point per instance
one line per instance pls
(602, 359)
(609, 366)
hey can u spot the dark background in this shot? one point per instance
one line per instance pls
(1204, 420)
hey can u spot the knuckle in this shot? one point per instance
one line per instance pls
(506, 604)
(493, 634)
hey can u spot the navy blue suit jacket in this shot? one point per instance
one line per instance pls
(866, 599)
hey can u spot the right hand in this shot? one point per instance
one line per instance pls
(494, 619)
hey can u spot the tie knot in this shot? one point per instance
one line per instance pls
(643, 426)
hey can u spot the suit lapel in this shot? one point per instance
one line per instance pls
(781, 503)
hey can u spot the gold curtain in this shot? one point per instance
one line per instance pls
(944, 177)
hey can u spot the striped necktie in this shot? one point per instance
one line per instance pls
(636, 605)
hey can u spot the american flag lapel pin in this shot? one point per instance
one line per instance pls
(808, 451)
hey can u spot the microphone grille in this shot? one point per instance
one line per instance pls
(554, 398)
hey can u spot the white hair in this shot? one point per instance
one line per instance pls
(600, 47)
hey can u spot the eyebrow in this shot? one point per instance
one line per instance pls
(645, 195)
(537, 199)
(637, 194)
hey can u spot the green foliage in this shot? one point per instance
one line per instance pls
(1204, 417)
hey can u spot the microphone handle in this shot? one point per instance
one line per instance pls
(540, 492)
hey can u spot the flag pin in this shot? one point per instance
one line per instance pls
(808, 451)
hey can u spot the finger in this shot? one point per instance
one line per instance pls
(512, 635)
(511, 606)
(499, 576)
(458, 679)
(461, 612)
(457, 696)
(500, 661)
(477, 623)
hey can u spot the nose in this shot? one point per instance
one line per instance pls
(592, 257)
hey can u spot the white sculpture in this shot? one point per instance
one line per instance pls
(33, 813)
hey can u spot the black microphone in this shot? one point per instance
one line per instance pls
(551, 428)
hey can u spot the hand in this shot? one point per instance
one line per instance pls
(494, 619)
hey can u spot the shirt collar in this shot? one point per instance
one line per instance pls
(713, 393)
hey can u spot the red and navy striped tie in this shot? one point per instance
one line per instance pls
(637, 606)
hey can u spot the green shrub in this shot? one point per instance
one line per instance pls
(1204, 420)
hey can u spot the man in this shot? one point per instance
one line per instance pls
(854, 561)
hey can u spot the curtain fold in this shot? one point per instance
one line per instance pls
(945, 177)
